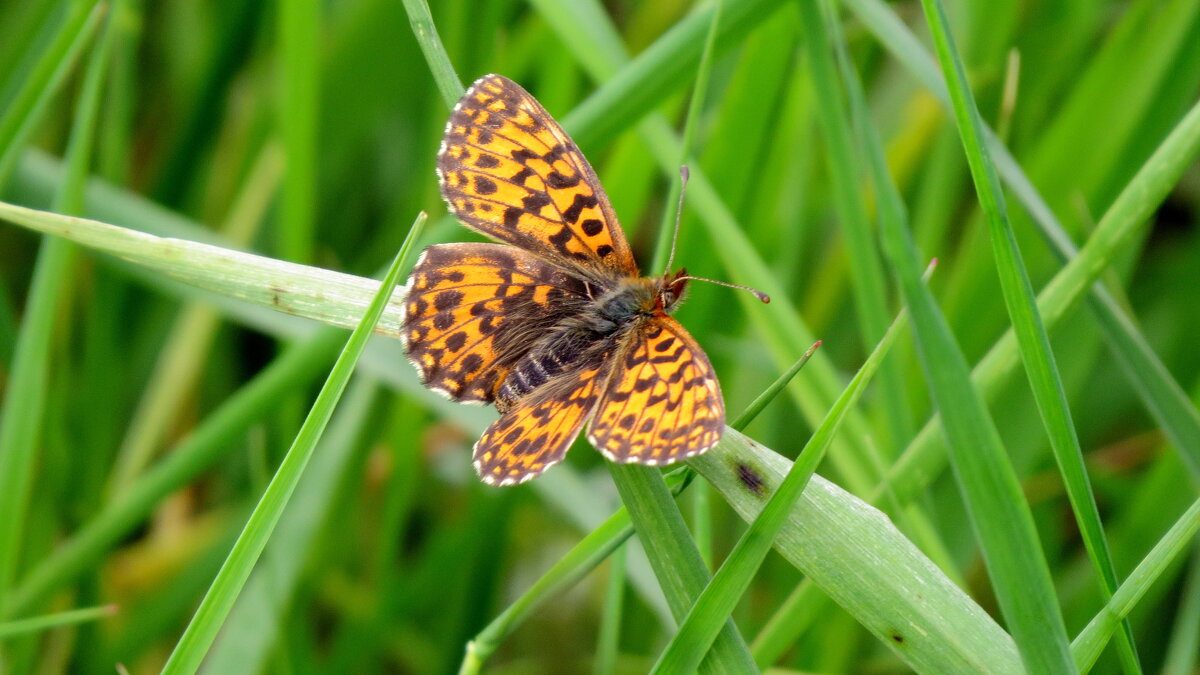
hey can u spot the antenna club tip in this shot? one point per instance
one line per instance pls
(762, 296)
(684, 173)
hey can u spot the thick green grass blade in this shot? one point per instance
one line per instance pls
(1032, 340)
(219, 600)
(676, 561)
(716, 604)
(855, 555)
(1090, 642)
(40, 623)
(299, 46)
(330, 297)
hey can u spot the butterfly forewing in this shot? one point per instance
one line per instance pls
(534, 436)
(470, 308)
(508, 170)
(662, 402)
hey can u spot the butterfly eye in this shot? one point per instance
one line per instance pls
(672, 292)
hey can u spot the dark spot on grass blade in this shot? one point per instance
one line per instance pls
(751, 479)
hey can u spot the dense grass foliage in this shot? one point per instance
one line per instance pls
(1031, 429)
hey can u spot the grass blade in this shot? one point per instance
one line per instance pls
(1000, 518)
(1032, 340)
(439, 63)
(716, 604)
(608, 643)
(299, 42)
(1184, 651)
(40, 623)
(330, 297)
(217, 603)
(254, 626)
(27, 108)
(22, 412)
(868, 283)
(1090, 642)
(856, 556)
(1136, 202)
(597, 545)
(676, 561)
(1134, 205)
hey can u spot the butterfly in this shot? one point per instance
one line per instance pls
(554, 325)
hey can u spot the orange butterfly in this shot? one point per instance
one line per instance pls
(556, 325)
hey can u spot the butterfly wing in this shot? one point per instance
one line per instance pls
(536, 434)
(509, 171)
(470, 309)
(662, 402)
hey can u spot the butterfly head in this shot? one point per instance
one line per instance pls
(671, 289)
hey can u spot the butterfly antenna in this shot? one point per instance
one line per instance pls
(757, 293)
(684, 174)
(683, 181)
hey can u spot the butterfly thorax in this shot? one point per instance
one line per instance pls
(590, 335)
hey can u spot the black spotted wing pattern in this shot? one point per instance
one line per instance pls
(469, 309)
(509, 171)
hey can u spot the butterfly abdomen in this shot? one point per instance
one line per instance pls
(582, 338)
(560, 352)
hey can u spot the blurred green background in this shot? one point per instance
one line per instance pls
(308, 132)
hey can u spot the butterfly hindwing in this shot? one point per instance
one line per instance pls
(662, 402)
(469, 310)
(509, 171)
(535, 435)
